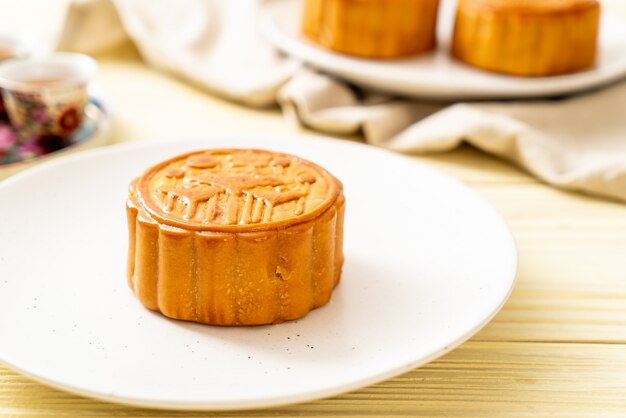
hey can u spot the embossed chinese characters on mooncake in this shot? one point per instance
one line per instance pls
(235, 237)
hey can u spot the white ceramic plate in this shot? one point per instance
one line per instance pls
(428, 263)
(437, 75)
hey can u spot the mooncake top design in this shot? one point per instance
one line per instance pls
(233, 189)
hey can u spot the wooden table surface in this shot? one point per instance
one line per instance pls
(557, 348)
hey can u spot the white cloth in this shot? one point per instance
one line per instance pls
(578, 143)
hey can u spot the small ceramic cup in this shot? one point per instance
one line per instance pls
(13, 46)
(46, 95)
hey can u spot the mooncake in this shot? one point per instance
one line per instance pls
(235, 237)
(527, 37)
(372, 28)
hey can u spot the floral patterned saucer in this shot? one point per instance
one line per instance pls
(94, 131)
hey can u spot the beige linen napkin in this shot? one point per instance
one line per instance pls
(578, 143)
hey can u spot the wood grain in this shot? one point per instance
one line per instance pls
(557, 348)
(478, 379)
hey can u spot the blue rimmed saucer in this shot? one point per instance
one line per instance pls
(94, 131)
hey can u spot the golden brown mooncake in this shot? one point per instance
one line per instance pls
(527, 37)
(372, 28)
(235, 237)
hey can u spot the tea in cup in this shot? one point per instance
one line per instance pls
(46, 95)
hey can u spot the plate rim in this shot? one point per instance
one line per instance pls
(279, 400)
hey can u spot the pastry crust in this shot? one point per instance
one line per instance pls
(235, 237)
(527, 37)
(372, 28)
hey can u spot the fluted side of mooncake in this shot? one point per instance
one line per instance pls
(372, 28)
(235, 278)
(527, 38)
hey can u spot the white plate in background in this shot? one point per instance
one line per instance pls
(428, 263)
(437, 75)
